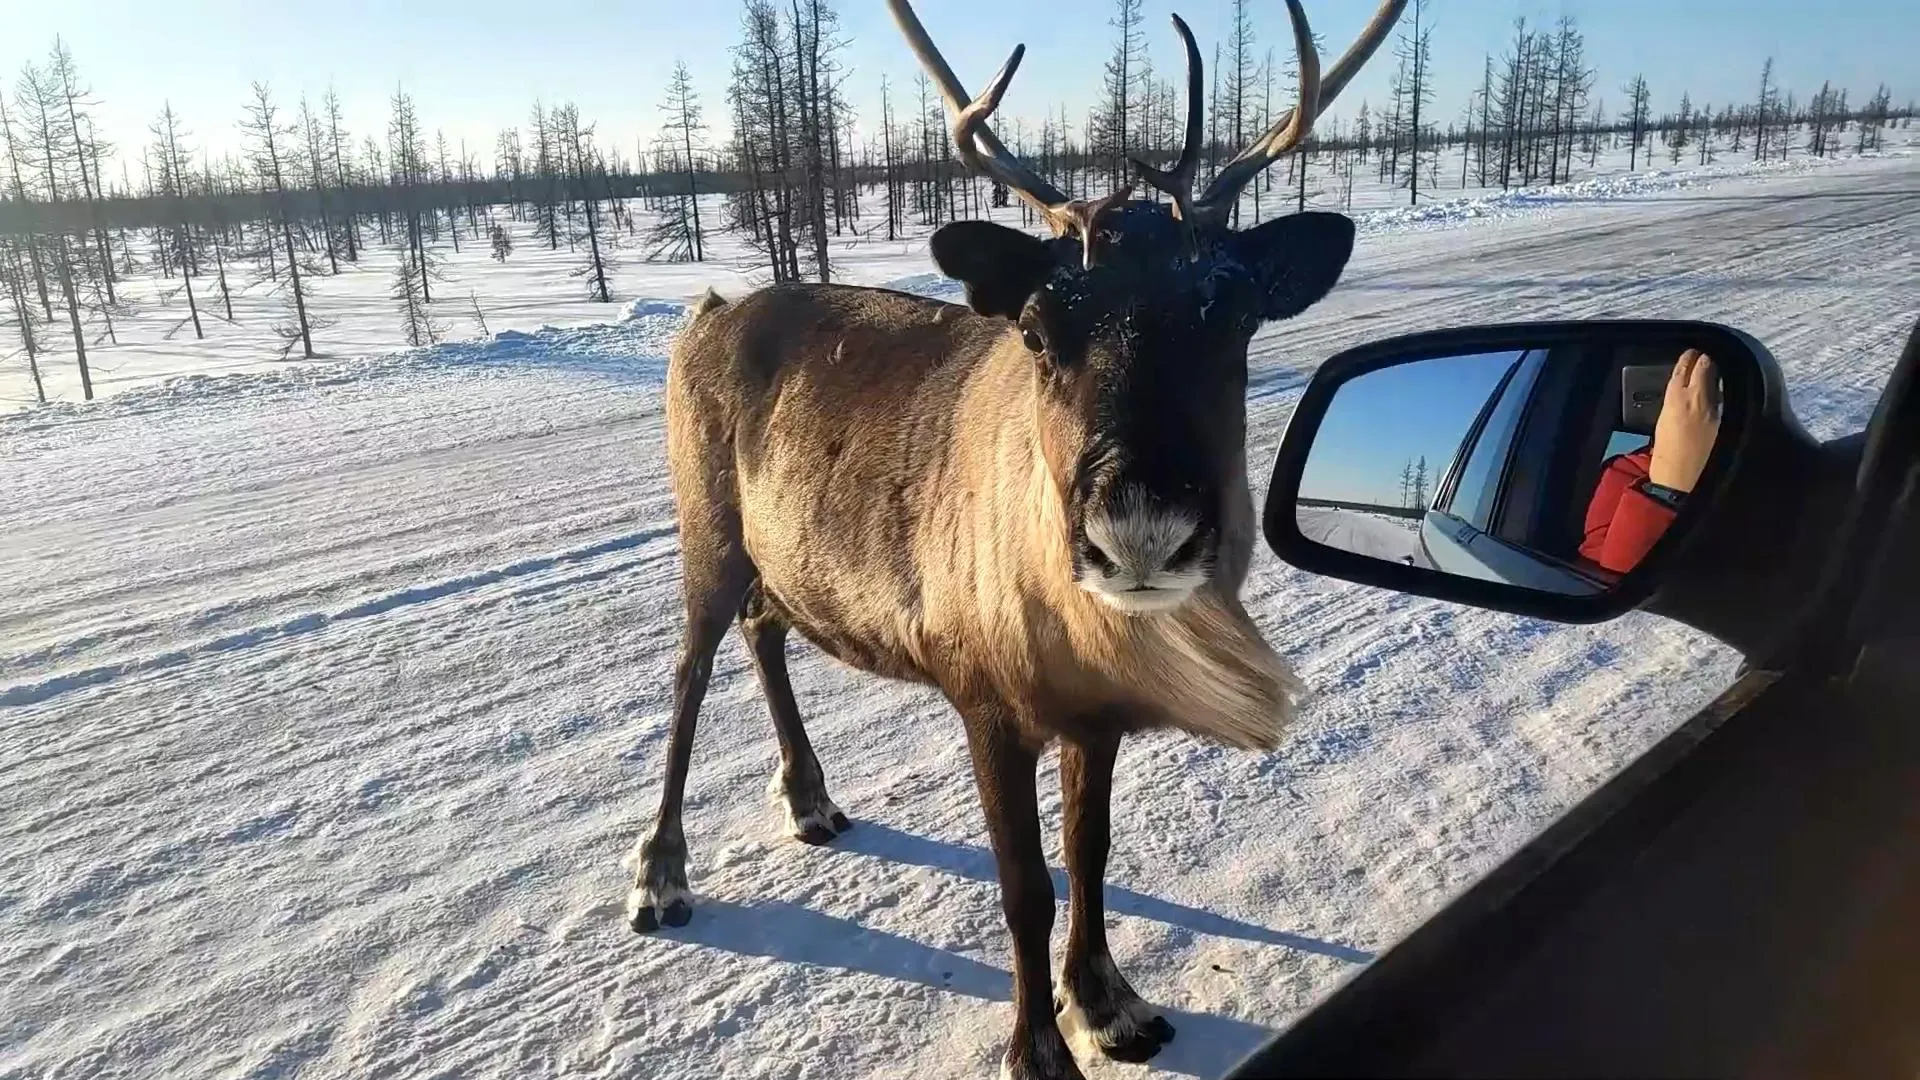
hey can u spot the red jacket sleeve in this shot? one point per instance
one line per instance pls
(1622, 522)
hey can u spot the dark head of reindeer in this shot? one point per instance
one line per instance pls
(1137, 316)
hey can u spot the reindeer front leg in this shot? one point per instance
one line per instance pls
(1096, 1004)
(1003, 769)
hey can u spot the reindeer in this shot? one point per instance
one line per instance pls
(1037, 503)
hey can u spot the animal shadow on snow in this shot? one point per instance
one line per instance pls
(1206, 1045)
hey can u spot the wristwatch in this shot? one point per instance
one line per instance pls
(1671, 498)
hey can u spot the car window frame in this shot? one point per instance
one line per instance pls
(1494, 493)
(1450, 480)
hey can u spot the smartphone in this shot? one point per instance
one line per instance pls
(1643, 389)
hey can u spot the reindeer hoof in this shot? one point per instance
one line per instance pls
(816, 822)
(1121, 1026)
(1142, 1044)
(648, 911)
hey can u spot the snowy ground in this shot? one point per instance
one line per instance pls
(1376, 535)
(331, 697)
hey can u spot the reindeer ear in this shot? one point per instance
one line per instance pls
(1295, 260)
(999, 266)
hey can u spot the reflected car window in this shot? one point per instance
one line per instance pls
(1479, 486)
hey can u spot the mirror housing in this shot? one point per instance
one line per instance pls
(1752, 426)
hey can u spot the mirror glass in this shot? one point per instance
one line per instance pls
(1555, 468)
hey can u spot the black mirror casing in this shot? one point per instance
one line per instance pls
(1757, 435)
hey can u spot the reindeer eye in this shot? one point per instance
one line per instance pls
(1031, 339)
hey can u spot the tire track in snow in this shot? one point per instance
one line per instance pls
(34, 693)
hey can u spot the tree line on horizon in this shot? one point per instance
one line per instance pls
(796, 171)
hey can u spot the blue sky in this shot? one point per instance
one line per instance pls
(477, 65)
(1381, 420)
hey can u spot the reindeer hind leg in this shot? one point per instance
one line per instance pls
(811, 817)
(716, 574)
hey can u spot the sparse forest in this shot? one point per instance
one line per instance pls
(796, 174)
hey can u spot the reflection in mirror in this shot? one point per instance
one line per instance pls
(1555, 469)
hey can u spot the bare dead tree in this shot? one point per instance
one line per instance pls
(683, 135)
(1240, 75)
(171, 179)
(77, 103)
(1763, 110)
(589, 176)
(1873, 120)
(1415, 51)
(444, 178)
(1637, 98)
(479, 317)
(14, 282)
(890, 166)
(53, 145)
(14, 285)
(340, 173)
(17, 156)
(1825, 113)
(418, 327)
(1573, 85)
(270, 152)
(1486, 117)
(1515, 69)
(547, 169)
(1116, 118)
(763, 91)
(312, 139)
(407, 158)
(810, 23)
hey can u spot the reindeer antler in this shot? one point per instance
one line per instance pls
(1289, 130)
(1177, 182)
(1078, 216)
(971, 133)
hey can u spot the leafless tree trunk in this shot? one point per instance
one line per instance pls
(891, 170)
(13, 276)
(1637, 98)
(63, 264)
(342, 176)
(1416, 54)
(587, 169)
(683, 111)
(1122, 72)
(269, 152)
(18, 171)
(1513, 93)
(170, 157)
(86, 149)
(1239, 82)
(316, 166)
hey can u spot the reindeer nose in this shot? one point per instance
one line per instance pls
(1135, 537)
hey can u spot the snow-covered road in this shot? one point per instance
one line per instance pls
(1374, 535)
(331, 700)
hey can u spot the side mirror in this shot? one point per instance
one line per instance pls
(1550, 469)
